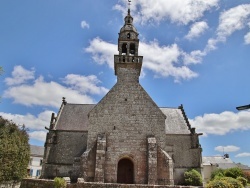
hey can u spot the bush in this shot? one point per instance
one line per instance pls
(193, 177)
(242, 180)
(233, 172)
(233, 182)
(218, 183)
(59, 183)
(225, 182)
(219, 173)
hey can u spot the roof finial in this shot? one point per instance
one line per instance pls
(129, 3)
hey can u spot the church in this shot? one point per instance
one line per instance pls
(124, 138)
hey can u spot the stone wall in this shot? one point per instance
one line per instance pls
(35, 183)
(64, 154)
(128, 116)
(10, 184)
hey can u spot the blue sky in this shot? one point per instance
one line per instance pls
(196, 53)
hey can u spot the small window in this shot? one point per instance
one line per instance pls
(41, 162)
(31, 172)
(128, 35)
(38, 173)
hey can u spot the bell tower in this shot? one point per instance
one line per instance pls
(128, 64)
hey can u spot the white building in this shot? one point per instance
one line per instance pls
(213, 163)
(36, 159)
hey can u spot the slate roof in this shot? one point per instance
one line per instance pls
(73, 117)
(222, 162)
(36, 151)
(175, 122)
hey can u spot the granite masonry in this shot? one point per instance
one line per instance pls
(125, 138)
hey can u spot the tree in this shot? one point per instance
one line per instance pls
(14, 151)
(193, 177)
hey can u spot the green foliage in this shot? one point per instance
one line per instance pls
(234, 183)
(193, 177)
(218, 183)
(219, 173)
(234, 172)
(242, 180)
(59, 183)
(225, 182)
(14, 151)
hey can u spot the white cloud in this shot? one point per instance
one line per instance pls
(85, 84)
(227, 148)
(30, 121)
(247, 38)
(230, 21)
(38, 135)
(193, 57)
(177, 11)
(162, 60)
(20, 75)
(84, 24)
(45, 94)
(102, 51)
(50, 93)
(243, 155)
(196, 30)
(165, 61)
(223, 123)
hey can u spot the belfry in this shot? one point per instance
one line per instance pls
(124, 138)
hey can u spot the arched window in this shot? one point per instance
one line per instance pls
(132, 49)
(124, 48)
(128, 35)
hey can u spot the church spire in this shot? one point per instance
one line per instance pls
(128, 44)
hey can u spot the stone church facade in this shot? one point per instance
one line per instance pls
(126, 137)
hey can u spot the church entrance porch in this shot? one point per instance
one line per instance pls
(125, 171)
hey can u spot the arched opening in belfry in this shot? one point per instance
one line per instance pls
(132, 49)
(128, 35)
(125, 171)
(124, 48)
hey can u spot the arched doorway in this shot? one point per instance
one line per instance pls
(125, 171)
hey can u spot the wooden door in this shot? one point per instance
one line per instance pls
(125, 172)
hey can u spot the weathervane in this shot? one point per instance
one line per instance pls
(129, 3)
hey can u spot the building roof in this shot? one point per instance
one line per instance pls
(73, 117)
(36, 151)
(175, 122)
(222, 162)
